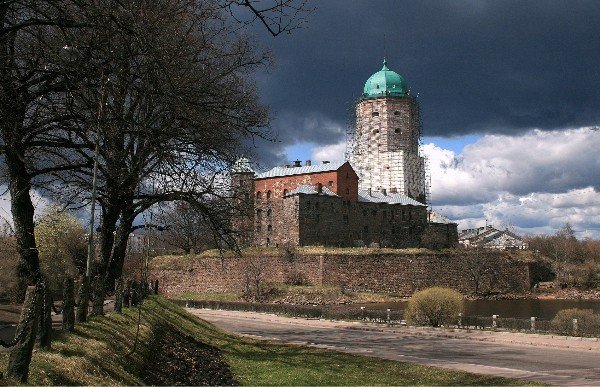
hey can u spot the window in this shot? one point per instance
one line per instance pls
(259, 214)
(268, 194)
(246, 196)
(396, 113)
(375, 114)
(376, 131)
(330, 183)
(366, 229)
(269, 212)
(345, 217)
(398, 130)
(285, 192)
(364, 212)
(259, 195)
(258, 228)
(269, 228)
(347, 191)
(374, 212)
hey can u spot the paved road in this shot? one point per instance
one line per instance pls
(551, 360)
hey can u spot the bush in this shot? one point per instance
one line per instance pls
(434, 306)
(588, 323)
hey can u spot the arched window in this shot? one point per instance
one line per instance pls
(246, 196)
(396, 113)
(269, 228)
(268, 195)
(259, 195)
(269, 212)
(259, 213)
(286, 192)
(347, 191)
(375, 114)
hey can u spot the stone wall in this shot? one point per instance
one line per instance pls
(397, 273)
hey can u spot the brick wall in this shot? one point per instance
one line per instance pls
(397, 273)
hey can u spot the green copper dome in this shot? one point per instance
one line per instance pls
(384, 83)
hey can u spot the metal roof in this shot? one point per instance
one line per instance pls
(383, 83)
(391, 198)
(310, 190)
(291, 171)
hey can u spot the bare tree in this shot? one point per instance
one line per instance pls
(186, 228)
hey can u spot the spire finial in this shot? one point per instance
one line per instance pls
(385, 64)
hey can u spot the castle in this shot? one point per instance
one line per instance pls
(377, 197)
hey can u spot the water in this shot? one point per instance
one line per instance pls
(542, 309)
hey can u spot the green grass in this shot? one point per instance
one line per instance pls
(96, 354)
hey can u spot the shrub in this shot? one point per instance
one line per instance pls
(588, 323)
(434, 306)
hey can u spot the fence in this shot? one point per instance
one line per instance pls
(394, 317)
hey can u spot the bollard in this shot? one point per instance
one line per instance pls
(494, 321)
(460, 320)
(389, 317)
(362, 312)
(533, 324)
(575, 327)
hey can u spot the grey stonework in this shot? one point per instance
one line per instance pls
(306, 220)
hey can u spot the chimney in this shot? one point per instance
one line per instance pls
(308, 164)
(297, 163)
(325, 162)
(384, 191)
(287, 166)
(370, 193)
(319, 188)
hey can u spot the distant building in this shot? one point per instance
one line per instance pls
(491, 238)
(377, 197)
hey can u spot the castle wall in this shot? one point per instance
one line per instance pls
(398, 273)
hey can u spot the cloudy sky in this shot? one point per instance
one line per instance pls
(509, 94)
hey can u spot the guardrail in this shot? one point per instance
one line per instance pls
(394, 317)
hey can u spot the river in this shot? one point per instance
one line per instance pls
(542, 309)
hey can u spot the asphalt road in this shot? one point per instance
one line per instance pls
(548, 359)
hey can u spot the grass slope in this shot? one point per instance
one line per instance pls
(99, 353)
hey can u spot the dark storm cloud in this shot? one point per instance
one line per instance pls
(478, 66)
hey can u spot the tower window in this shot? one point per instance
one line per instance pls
(330, 183)
(347, 191)
(268, 194)
(269, 228)
(269, 212)
(259, 213)
(246, 196)
(375, 114)
(396, 113)
(285, 192)
(397, 130)
(376, 131)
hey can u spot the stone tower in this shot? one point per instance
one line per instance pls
(242, 189)
(384, 149)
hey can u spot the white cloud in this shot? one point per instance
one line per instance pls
(333, 152)
(535, 182)
(40, 203)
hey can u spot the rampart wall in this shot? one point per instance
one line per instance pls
(397, 273)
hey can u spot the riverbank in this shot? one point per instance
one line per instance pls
(176, 348)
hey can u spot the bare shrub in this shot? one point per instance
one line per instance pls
(434, 307)
(588, 323)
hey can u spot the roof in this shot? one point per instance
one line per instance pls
(291, 171)
(310, 190)
(435, 217)
(384, 83)
(390, 198)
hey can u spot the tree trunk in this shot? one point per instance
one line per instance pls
(68, 311)
(44, 333)
(84, 299)
(119, 250)
(119, 295)
(20, 355)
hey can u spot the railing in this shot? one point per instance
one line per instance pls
(394, 317)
